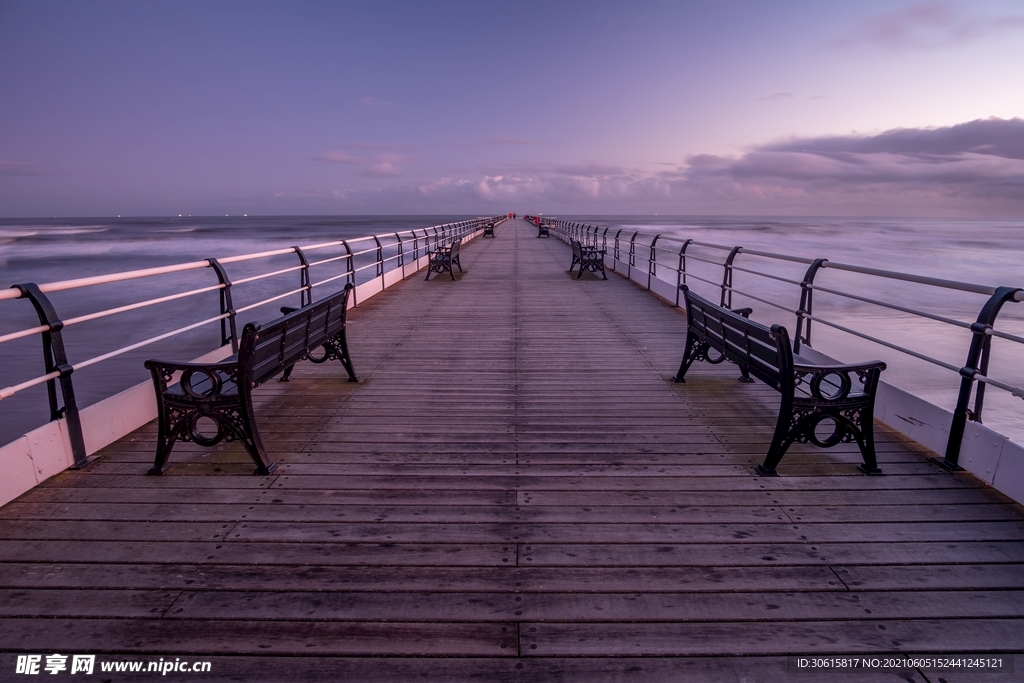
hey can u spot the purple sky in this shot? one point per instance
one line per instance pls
(671, 107)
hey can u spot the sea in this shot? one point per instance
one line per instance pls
(977, 251)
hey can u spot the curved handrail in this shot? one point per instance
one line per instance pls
(50, 326)
(973, 374)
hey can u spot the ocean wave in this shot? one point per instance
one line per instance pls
(22, 231)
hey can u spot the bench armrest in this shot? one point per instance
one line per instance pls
(853, 367)
(835, 383)
(217, 373)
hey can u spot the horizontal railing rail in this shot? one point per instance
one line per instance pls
(670, 255)
(362, 260)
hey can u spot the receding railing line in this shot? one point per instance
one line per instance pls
(146, 342)
(779, 278)
(264, 276)
(677, 259)
(7, 392)
(909, 277)
(58, 368)
(882, 342)
(895, 307)
(764, 301)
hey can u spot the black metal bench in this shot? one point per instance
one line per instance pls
(840, 398)
(588, 258)
(443, 259)
(221, 393)
(542, 229)
(489, 230)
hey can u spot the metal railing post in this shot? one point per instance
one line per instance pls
(632, 255)
(228, 330)
(681, 270)
(977, 357)
(401, 254)
(380, 262)
(652, 262)
(306, 295)
(727, 278)
(55, 360)
(803, 314)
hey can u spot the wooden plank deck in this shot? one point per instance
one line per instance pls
(514, 492)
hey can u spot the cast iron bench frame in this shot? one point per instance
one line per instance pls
(811, 393)
(588, 258)
(443, 259)
(489, 230)
(222, 392)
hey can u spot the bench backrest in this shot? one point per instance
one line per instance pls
(266, 350)
(764, 352)
(577, 249)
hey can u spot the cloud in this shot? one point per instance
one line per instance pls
(964, 165)
(370, 101)
(8, 167)
(373, 165)
(974, 168)
(926, 25)
(776, 97)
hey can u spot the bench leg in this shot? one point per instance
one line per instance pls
(165, 443)
(785, 433)
(337, 349)
(866, 441)
(694, 350)
(249, 436)
(287, 376)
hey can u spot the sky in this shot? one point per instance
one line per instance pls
(731, 107)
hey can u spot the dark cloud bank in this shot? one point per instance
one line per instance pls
(971, 169)
(976, 166)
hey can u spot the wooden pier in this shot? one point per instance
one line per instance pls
(515, 491)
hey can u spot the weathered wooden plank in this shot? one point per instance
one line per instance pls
(834, 636)
(762, 554)
(47, 602)
(430, 553)
(885, 497)
(675, 579)
(270, 577)
(438, 513)
(740, 482)
(113, 530)
(283, 637)
(595, 607)
(509, 532)
(347, 606)
(227, 496)
(932, 577)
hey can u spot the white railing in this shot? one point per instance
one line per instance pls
(664, 262)
(371, 263)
